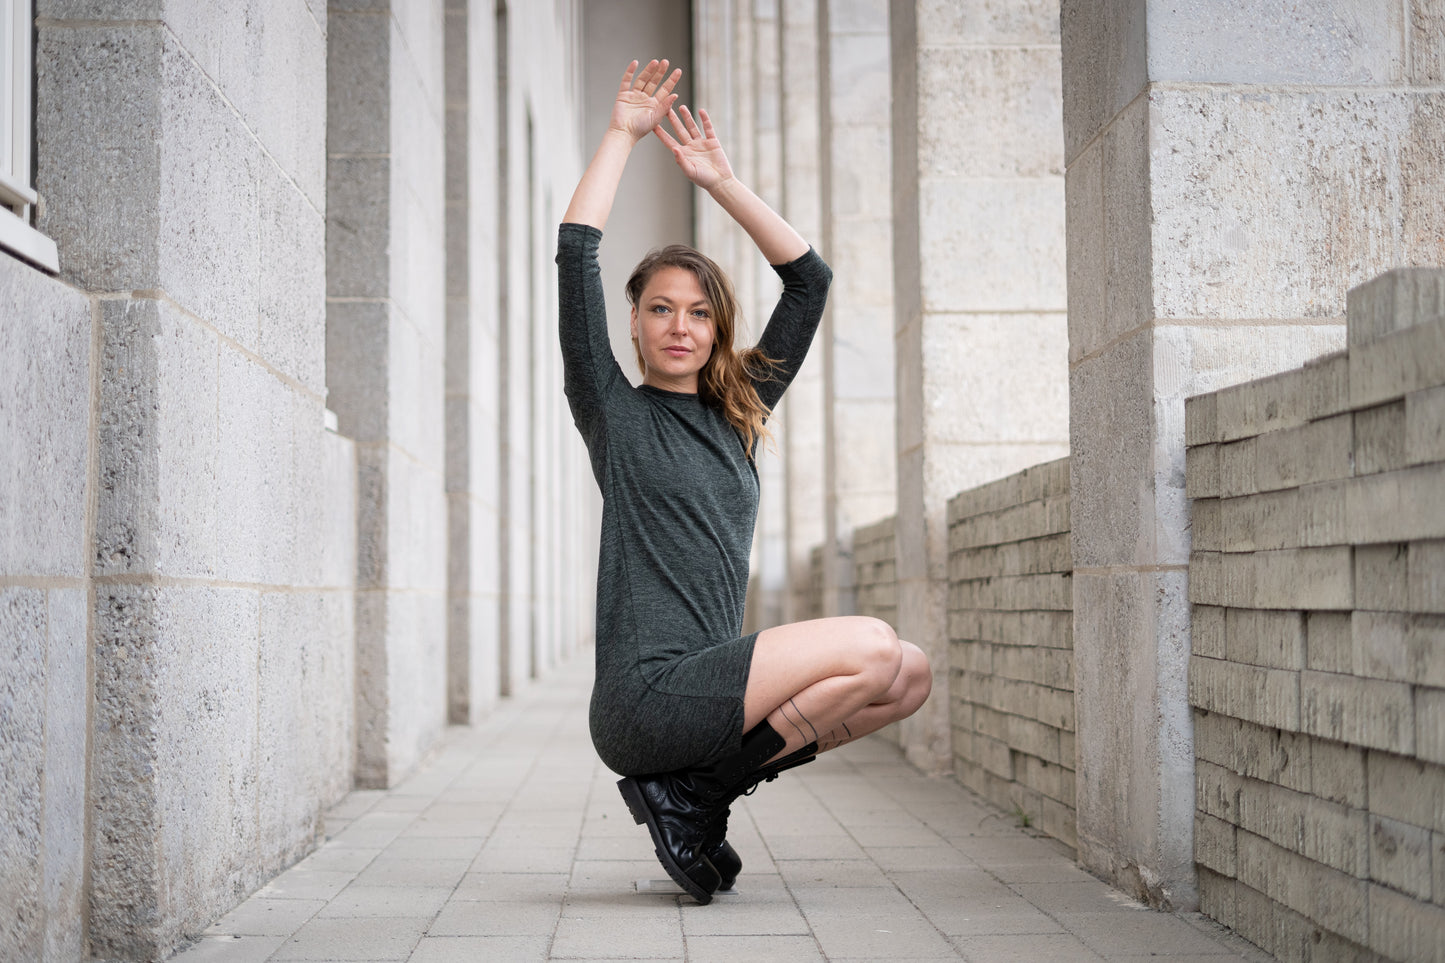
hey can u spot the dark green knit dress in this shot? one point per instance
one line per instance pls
(679, 500)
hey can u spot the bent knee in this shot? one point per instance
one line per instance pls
(879, 651)
(918, 675)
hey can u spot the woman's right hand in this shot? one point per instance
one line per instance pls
(643, 99)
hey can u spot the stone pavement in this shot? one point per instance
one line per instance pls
(512, 843)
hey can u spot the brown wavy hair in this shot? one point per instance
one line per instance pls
(726, 379)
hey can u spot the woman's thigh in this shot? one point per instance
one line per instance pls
(788, 659)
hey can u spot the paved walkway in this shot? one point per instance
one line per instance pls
(513, 844)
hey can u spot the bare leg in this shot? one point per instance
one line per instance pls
(833, 680)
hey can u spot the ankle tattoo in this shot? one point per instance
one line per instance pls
(800, 718)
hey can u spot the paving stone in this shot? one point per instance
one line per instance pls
(377, 938)
(470, 949)
(266, 917)
(1060, 948)
(754, 949)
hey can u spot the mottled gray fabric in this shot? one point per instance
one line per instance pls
(680, 497)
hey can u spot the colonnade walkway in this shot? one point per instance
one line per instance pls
(512, 844)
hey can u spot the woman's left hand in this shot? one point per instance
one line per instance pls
(696, 149)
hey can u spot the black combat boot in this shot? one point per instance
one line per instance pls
(719, 852)
(680, 807)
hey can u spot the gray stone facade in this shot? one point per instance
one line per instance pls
(218, 614)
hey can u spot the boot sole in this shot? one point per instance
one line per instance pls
(643, 815)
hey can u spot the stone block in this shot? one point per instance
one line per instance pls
(1425, 579)
(1018, 269)
(358, 228)
(1085, 249)
(1407, 790)
(23, 678)
(1381, 577)
(1399, 646)
(1400, 856)
(1314, 452)
(257, 516)
(1214, 844)
(1328, 897)
(1202, 471)
(1207, 632)
(1320, 831)
(1214, 737)
(358, 83)
(1112, 457)
(1329, 641)
(1397, 364)
(1201, 420)
(1207, 527)
(1327, 383)
(1323, 519)
(1337, 772)
(1273, 755)
(1256, 42)
(66, 732)
(45, 375)
(1255, 915)
(1402, 928)
(158, 455)
(975, 357)
(1364, 712)
(1262, 522)
(1430, 724)
(1237, 466)
(1380, 438)
(1216, 896)
(1269, 697)
(1424, 426)
(1281, 144)
(306, 672)
(1104, 67)
(1305, 578)
(109, 244)
(174, 764)
(1396, 300)
(991, 112)
(292, 324)
(1266, 638)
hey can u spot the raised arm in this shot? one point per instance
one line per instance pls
(700, 154)
(643, 99)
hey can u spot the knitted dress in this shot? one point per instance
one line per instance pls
(679, 500)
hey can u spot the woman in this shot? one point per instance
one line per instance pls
(689, 711)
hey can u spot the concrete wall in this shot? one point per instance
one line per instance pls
(182, 161)
(1232, 168)
(48, 341)
(1011, 665)
(1318, 675)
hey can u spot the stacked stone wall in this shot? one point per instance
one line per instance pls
(1010, 627)
(1317, 679)
(875, 571)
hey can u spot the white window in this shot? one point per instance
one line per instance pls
(17, 195)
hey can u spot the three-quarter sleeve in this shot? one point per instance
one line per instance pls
(589, 369)
(794, 321)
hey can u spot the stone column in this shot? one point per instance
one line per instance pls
(978, 261)
(802, 406)
(758, 289)
(856, 342)
(1233, 168)
(386, 327)
(472, 423)
(181, 155)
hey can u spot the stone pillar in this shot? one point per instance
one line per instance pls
(181, 155)
(758, 289)
(1233, 168)
(978, 261)
(386, 327)
(802, 406)
(856, 342)
(472, 424)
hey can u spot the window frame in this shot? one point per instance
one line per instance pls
(18, 199)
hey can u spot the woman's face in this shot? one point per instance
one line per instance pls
(672, 324)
